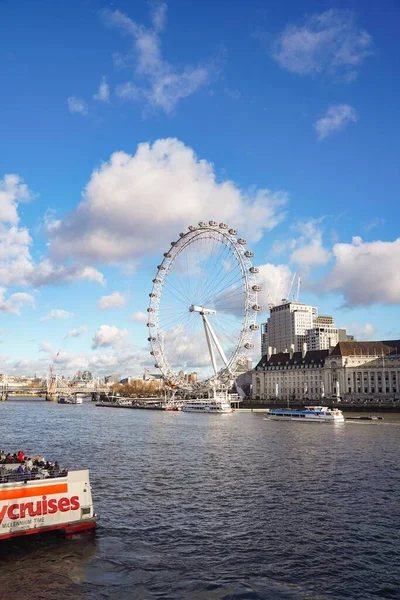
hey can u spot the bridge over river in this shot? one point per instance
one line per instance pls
(54, 387)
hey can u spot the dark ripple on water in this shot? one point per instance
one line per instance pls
(212, 508)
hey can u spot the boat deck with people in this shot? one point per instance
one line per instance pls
(308, 414)
(217, 405)
(38, 496)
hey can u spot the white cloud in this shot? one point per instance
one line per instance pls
(12, 191)
(309, 250)
(306, 249)
(114, 300)
(365, 273)
(335, 119)
(362, 332)
(275, 282)
(163, 84)
(21, 270)
(373, 223)
(329, 42)
(74, 333)
(139, 317)
(57, 313)
(17, 266)
(50, 224)
(77, 105)
(13, 303)
(47, 347)
(155, 194)
(103, 93)
(109, 336)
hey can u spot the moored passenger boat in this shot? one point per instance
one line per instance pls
(30, 506)
(208, 405)
(65, 400)
(77, 400)
(315, 414)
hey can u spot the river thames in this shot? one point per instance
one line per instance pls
(207, 507)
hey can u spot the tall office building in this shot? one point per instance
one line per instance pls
(288, 325)
(264, 339)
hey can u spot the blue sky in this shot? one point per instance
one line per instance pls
(152, 108)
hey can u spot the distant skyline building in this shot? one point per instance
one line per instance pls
(293, 324)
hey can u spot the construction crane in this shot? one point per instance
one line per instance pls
(287, 297)
(296, 297)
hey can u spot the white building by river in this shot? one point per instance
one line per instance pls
(352, 370)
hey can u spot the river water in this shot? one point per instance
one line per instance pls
(207, 507)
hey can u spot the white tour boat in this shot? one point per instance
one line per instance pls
(30, 506)
(314, 414)
(77, 400)
(218, 405)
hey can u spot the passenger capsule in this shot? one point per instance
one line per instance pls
(254, 269)
(161, 267)
(233, 231)
(256, 288)
(256, 307)
(150, 309)
(249, 254)
(254, 327)
(223, 226)
(153, 295)
(182, 234)
(167, 255)
(156, 280)
(150, 324)
(192, 228)
(152, 353)
(156, 366)
(213, 223)
(249, 346)
(151, 339)
(202, 224)
(173, 244)
(241, 241)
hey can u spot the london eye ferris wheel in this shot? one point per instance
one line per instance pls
(203, 307)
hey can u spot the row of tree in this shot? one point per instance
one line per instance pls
(139, 387)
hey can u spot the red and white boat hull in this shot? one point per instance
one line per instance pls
(36, 506)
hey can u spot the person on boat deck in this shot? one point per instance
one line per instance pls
(21, 456)
(3, 473)
(56, 469)
(20, 471)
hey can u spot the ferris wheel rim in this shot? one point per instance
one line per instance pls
(236, 246)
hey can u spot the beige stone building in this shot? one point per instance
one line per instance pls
(351, 370)
(360, 370)
(290, 375)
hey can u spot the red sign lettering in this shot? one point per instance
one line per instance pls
(40, 507)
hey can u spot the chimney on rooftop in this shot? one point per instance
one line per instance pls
(304, 350)
(269, 352)
(274, 352)
(291, 351)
